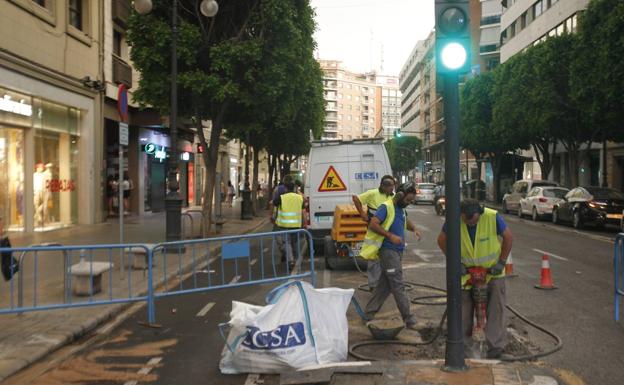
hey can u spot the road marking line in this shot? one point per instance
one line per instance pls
(551, 254)
(253, 261)
(205, 310)
(253, 379)
(146, 369)
(235, 279)
(425, 265)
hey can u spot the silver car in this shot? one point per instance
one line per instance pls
(425, 192)
(539, 201)
(519, 190)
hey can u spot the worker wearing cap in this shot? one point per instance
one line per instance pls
(480, 230)
(373, 198)
(385, 238)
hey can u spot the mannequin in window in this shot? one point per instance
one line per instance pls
(39, 188)
(47, 202)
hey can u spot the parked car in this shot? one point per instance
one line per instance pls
(539, 201)
(590, 205)
(519, 190)
(425, 192)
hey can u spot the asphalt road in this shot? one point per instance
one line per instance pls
(186, 348)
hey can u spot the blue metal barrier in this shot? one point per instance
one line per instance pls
(238, 256)
(51, 279)
(618, 260)
(97, 276)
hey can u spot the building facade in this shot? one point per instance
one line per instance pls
(50, 109)
(390, 105)
(422, 113)
(352, 102)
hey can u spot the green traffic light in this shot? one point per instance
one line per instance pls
(454, 56)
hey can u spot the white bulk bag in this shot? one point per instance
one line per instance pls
(300, 326)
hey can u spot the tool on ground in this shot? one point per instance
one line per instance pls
(546, 281)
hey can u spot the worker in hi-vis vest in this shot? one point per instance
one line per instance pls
(385, 240)
(480, 229)
(373, 198)
(289, 216)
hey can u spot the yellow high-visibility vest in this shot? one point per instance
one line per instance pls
(372, 240)
(486, 249)
(289, 211)
(373, 199)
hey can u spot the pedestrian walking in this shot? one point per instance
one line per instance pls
(230, 193)
(289, 216)
(490, 252)
(385, 239)
(373, 198)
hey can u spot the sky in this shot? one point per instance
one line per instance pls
(356, 32)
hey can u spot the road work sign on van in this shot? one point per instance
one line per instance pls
(332, 181)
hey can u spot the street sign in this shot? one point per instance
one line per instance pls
(332, 181)
(123, 134)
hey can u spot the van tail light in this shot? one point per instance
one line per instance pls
(543, 200)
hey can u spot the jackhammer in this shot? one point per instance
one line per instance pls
(479, 294)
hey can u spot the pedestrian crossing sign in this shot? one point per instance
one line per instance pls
(332, 181)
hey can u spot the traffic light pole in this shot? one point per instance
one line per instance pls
(454, 357)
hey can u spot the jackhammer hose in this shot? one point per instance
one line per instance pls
(417, 300)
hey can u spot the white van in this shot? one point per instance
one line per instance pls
(338, 169)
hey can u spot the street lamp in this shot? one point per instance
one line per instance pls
(173, 200)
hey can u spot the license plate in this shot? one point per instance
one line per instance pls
(614, 216)
(323, 219)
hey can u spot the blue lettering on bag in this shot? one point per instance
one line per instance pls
(284, 336)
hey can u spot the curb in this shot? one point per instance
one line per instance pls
(16, 365)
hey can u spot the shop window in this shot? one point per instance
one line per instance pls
(12, 178)
(56, 165)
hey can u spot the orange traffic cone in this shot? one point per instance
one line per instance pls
(546, 282)
(509, 267)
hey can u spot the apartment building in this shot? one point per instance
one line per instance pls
(422, 113)
(390, 105)
(50, 109)
(352, 102)
(528, 22)
(488, 12)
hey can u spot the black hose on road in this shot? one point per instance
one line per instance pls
(419, 300)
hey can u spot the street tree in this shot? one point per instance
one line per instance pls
(219, 62)
(404, 153)
(597, 72)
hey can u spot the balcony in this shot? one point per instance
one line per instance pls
(122, 72)
(331, 118)
(121, 11)
(331, 96)
(487, 20)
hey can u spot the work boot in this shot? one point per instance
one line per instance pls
(410, 322)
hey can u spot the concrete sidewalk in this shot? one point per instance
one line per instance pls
(26, 338)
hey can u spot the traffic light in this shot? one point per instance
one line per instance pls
(452, 36)
(397, 133)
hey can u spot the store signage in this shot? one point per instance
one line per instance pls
(158, 152)
(60, 185)
(20, 108)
